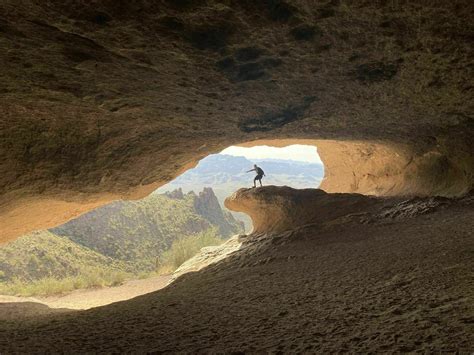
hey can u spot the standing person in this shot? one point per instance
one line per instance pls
(259, 176)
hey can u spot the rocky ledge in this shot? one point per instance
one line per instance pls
(275, 209)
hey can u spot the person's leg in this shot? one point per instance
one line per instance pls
(255, 182)
(260, 181)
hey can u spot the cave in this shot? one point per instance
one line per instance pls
(129, 248)
(111, 100)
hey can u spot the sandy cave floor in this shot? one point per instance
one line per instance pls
(12, 307)
(401, 284)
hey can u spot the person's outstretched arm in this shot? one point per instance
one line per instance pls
(250, 170)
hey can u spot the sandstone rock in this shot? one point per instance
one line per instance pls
(275, 209)
(207, 256)
(105, 101)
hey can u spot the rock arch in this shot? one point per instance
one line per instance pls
(105, 101)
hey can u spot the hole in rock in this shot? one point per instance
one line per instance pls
(128, 248)
(295, 165)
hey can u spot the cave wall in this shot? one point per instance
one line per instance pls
(390, 169)
(105, 100)
(276, 209)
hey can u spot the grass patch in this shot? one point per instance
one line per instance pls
(94, 277)
(99, 275)
(185, 248)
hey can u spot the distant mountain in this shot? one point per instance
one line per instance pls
(127, 237)
(227, 173)
(137, 232)
(220, 169)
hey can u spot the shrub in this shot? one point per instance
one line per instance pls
(93, 277)
(185, 248)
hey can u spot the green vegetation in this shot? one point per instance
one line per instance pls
(46, 255)
(138, 232)
(185, 248)
(43, 263)
(124, 240)
(90, 277)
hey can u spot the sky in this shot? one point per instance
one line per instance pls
(296, 152)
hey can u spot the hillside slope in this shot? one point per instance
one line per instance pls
(44, 254)
(119, 241)
(137, 232)
(226, 173)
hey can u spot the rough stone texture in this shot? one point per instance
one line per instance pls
(375, 281)
(208, 256)
(207, 205)
(277, 209)
(387, 169)
(105, 100)
(392, 169)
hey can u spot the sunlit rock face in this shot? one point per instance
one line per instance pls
(108, 100)
(386, 169)
(208, 256)
(275, 209)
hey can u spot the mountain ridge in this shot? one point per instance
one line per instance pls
(227, 173)
(125, 238)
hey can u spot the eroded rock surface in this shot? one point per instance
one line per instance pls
(275, 209)
(390, 283)
(106, 100)
(208, 256)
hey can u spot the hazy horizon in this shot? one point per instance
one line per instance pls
(295, 152)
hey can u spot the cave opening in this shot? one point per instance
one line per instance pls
(128, 248)
(109, 100)
(293, 164)
(131, 247)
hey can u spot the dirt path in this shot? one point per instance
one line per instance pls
(85, 299)
(24, 307)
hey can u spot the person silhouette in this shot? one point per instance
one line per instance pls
(259, 176)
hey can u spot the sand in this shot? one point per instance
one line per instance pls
(85, 299)
(14, 308)
(384, 282)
